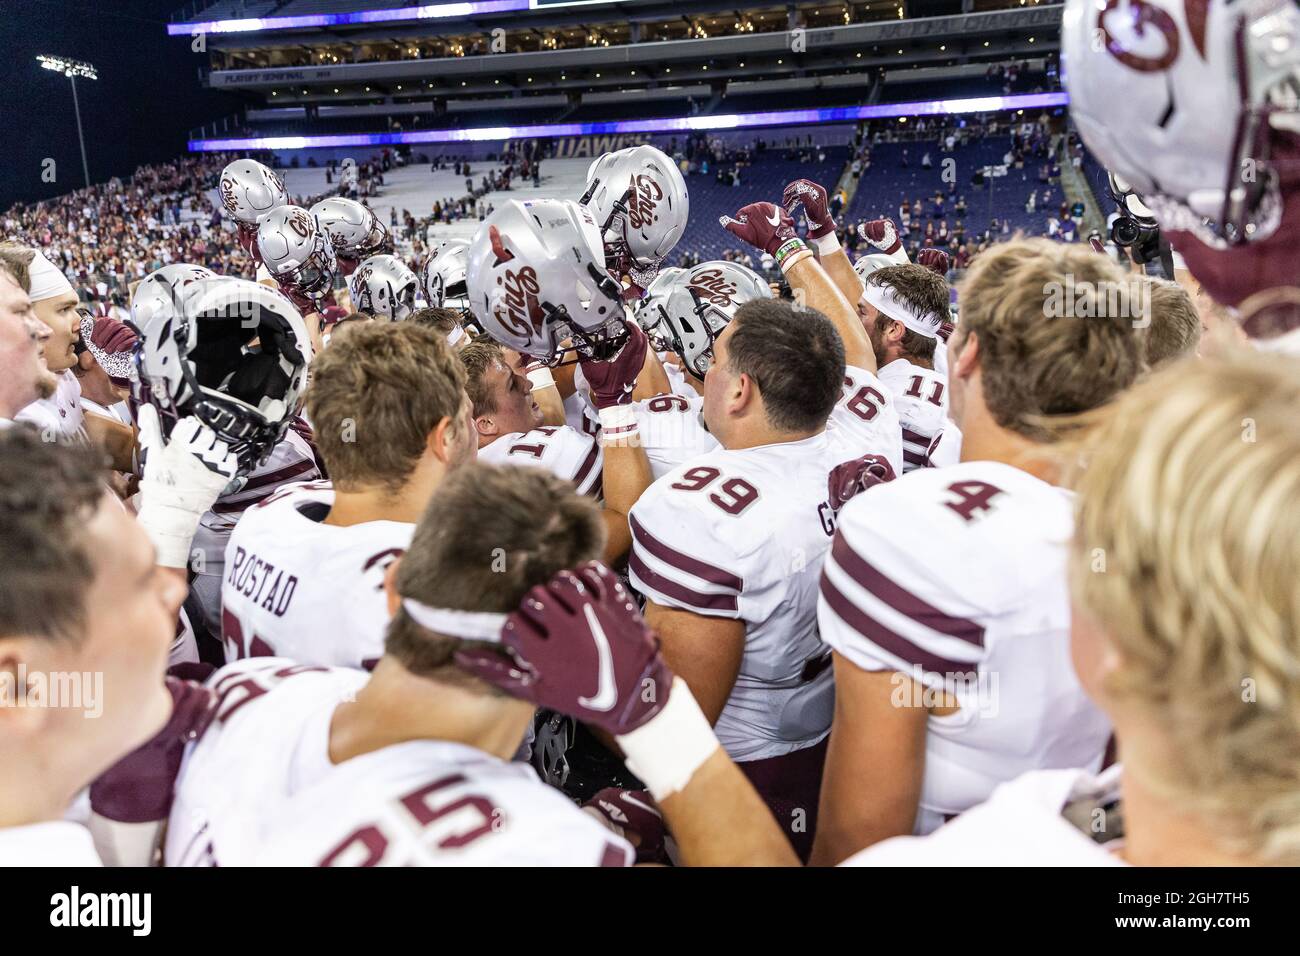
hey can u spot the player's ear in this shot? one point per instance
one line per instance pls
(19, 719)
(390, 587)
(968, 355)
(86, 361)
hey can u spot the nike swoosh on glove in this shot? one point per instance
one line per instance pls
(763, 225)
(579, 645)
(881, 233)
(633, 815)
(612, 381)
(816, 206)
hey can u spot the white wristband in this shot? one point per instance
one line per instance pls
(666, 751)
(541, 377)
(791, 260)
(618, 424)
(827, 245)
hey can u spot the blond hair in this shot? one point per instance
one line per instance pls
(1059, 330)
(1190, 493)
(1175, 328)
(376, 395)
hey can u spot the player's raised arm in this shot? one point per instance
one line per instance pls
(582, 631)
(769, 227)
(821, 234)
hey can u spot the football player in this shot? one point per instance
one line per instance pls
(271, 761)
(304, 567)
(23, 376)
(727, 547)
(355, 232)
(299, 257)
(249, 191)
(71, 551)
(944, 596)
(903, 308)
(1203, 704)
(384, 287)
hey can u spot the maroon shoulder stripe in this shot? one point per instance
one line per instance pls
(694, 600)
(280, 475)
(917, 438)
(683, 562)
(588, 463)
(914, 457)
(900, 599)
(887, 640)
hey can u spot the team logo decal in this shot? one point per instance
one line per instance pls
(711, 284)
(519, 309)
(1140, 35)
(643, 202)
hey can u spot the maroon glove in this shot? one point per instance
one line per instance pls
(816, 206)
(580, 646)
(851, 477)
(936, 260)
(613, 380)
(881, 233)
(633, 815)
(764, 226)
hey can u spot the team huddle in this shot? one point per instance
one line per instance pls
(547, 554)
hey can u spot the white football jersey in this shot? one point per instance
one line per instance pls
(945, 447)
(53, 843)
(61, 414)
(956, 578)
(921, 397)
(672, 431)
(579, 413)
(298, 588)
(865, 420)
(1021, 824)
(291, 461)
(258, 787)
(563, 451)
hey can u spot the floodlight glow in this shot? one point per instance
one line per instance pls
(68, 68)
(836, 114)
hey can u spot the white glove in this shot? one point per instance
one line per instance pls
(183, 477)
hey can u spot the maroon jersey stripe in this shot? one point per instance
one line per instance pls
(900, 599)
(585, 468)
(683, 562)
(914, 457)
(887, 640)
(693, 600)
(916, 438)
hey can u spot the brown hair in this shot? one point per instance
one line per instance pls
(376, 395)
(925, 292)
(438, 319)
(795, 357)
(1059, 331)
(488, 536)
(47, 493)
(477, 357)
(18, 260)
(1175, 328)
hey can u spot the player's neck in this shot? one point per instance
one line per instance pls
(24, 801)
(910, 359)
(983, 439)
(362, 503)
(1159, 832)
(396, 706)
(754, 432)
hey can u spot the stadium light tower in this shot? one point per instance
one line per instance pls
(73, 69)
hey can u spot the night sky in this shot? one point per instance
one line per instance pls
(147, 98)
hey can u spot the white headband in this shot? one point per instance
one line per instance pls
(455, 335)
(892, 307)
(47, 280)
(467, 625)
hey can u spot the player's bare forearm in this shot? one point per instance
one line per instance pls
(815, 290)
(653, 380)
(873, 740)
(843, 274)
(114, 438)
(552, 405)
(718, 819)
(312, 320)
(703, 651)
(626, 476)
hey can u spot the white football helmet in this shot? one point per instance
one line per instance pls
(163, 292)
(698, 306)
(648, 310)
(442, 277)
(383, 287)
(639, 198)
(537, 282)
(354, 230)
(201, 361)
(249, 191)
(297, 251)
(865, 265)
(1186, 101)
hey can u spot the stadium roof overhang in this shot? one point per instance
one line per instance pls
(816, 44)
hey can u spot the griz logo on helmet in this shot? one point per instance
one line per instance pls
(228, 195)
(1139, 23)
(643, 201)
(299, 222)
(522, 307)
(711, 284)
